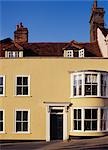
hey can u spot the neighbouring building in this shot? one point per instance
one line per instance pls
(51, 91)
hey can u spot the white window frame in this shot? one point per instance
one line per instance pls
(13, 54)
(81, 53)
(3, 121)
(28, 76)
(105, 119)
(77, 119)
(69, 53)
(82, 119)
(3, 85)
(83, 73)
(28, 110)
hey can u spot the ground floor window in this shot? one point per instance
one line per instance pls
(104, 119)
(22, 121)
(77, 119)
(1, 121)
(90, 119)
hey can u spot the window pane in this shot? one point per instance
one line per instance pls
(87, 125)
(25, 115)
(18, 115)
(79, 125)
(94, 89)
(1, 115)
(1, 80)
(94, 125)
(19, 80)
(87, 89)
(103, 124)
(25, 126)
(75, 113)
(19, 91)
(74, 90)
(80, 90)
(18, 126)
(1, 90)
(75, 125)
(25, 90)
(87, 113)
(79, 113)
(94, 78)
(75, 53)
(25, 80)
(94, 113)
(88, 78)
(1, 126)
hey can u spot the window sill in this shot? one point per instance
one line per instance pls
(89, 96)
(3, 132)
(22, 95)
(22, 133)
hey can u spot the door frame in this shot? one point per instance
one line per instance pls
(56, 105)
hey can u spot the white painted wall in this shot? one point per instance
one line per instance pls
(102, 42)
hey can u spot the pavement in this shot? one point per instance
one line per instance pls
(100, 143)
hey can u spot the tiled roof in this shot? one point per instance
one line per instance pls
(44, 49)
(48, 48)
(14, 47)
(92, 48)
(4, 44)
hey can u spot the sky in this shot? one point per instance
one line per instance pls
(49, 20)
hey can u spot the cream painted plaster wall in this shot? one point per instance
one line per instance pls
(49, 82)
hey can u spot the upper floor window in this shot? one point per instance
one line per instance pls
(2, 85)
(13, 54)
(74, 53)
(23, 85)
(89, 83)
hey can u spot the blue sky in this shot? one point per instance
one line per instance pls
(49, 20)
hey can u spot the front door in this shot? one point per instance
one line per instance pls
(56, 125)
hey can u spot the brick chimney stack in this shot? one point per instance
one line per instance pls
(96, 20)
(21, 34)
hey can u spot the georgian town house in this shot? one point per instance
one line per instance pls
(52, 91)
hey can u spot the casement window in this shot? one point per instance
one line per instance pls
(77, 119)
(90, 119)
(1, 121)
(81, 53)
(22, 121)
(2, 85)
(89, 83)
(13, 54)
(68, 53)
(23, 85)
(74, 53)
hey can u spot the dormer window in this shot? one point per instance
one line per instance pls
(74, 53)
(13, 54)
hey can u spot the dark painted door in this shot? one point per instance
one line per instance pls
(56, 126)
